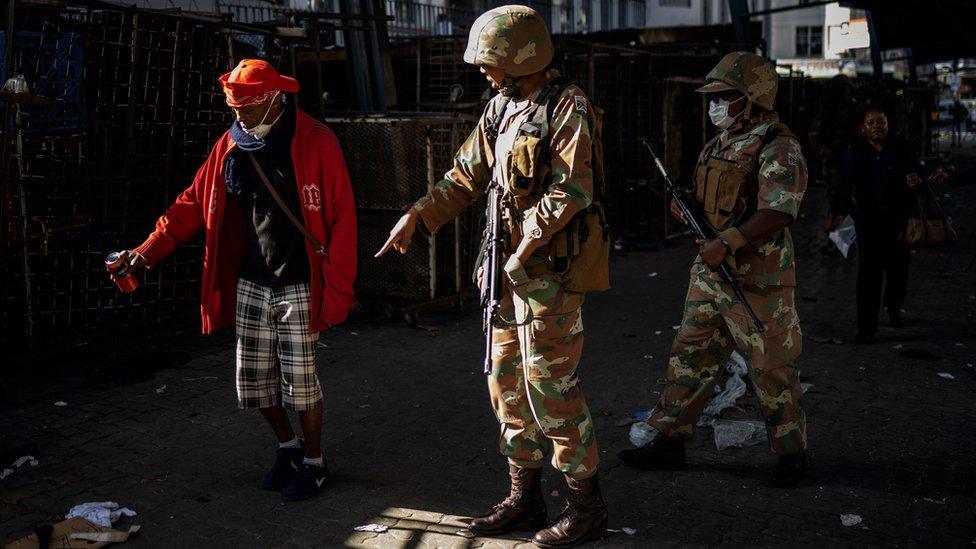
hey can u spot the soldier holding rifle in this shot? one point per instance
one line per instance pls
(532, 151)
(748, 185)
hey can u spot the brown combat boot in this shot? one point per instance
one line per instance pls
(583, 519)
(523, 509)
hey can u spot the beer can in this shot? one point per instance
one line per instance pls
(118, 270)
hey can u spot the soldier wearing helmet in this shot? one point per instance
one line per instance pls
(535, 140)
(748, 184)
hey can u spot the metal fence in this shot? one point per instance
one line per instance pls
(393, 160)
(124, 108)
(98, 162)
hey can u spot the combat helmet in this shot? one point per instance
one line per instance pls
(747, 72)
(514, 39)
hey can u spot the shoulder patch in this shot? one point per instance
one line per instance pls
(581, 105)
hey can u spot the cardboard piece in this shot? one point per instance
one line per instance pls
(61, 536)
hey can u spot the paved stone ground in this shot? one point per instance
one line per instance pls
(410, 436)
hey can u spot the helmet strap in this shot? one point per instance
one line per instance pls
(512, 86)
(509, 87)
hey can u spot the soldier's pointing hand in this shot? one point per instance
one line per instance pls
(401, 234)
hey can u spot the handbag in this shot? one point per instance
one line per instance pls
(928, 224)
(316, 245)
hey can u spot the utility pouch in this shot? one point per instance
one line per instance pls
(724, 191)
(526, 164)
(559, 249)
(583, 250)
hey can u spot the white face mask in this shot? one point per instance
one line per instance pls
(718, 112)
(262, 130)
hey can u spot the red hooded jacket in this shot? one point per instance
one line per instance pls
(327, 208)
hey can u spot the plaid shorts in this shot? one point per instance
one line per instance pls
(275, 348)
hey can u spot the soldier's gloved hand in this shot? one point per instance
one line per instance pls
(515, 271)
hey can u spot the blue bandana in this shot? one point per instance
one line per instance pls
(278, 141)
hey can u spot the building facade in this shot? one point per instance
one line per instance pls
(820, 40)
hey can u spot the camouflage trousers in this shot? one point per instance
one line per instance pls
(712, 327)
(534, 385)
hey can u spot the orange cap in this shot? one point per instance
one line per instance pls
(254, 81)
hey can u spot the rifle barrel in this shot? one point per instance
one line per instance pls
(724, 270)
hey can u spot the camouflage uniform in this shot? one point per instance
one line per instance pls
(714, 323)
(534, 386)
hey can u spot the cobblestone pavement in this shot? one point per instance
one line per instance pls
(410, 436)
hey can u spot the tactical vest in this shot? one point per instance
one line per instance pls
(579, 255)
(728, 190)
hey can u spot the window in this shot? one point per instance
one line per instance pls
(675, 3)
(809, 41)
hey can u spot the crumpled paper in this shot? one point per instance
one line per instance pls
(102, 513)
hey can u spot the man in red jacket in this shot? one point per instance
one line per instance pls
(279, 259)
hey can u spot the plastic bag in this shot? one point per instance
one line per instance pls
(844, 236)
(102, 513)
(735, 387)
(738, 434)
(641, 433)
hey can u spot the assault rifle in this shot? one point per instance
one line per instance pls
(491, 287)
(703, 230)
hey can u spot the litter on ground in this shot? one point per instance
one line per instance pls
(19, 462)
(730, 433)
(102, 513)
(850, 520)
(376, 528)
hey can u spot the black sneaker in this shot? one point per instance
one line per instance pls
(864, 338)
(661, 453)
(790, 470)
(284, 468)
(308, 482)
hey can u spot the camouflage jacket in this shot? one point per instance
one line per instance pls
(569, 187)
(781, 171)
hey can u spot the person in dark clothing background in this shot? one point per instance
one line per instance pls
(875, 188)
(959, 115)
